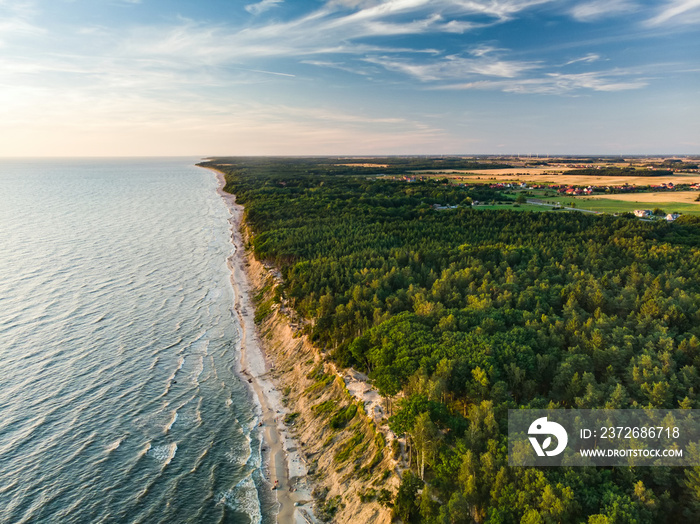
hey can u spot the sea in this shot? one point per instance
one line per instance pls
(120, 399)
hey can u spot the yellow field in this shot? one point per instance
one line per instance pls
(685, 197)
(363, 165)
(511, 171)
(532, 176)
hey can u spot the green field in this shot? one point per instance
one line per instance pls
(619, 206)
(522, 207)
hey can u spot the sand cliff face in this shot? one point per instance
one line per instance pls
(349, 462)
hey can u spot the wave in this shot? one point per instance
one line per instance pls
(198, 369)
(171, 378)
(172, 449)
(163, 453)
(178, 341)
(243, 497)
(145, 450)
(172, 421)
(114, 445)
(200, 458)
(95, 333)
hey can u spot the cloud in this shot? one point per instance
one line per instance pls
(557, 83)
(340, 66)
(592, 11)
(262, 6)
(452, 67)
(483, 50)
(268, 72)
(16, 20)
(590, 57)
(679, 11)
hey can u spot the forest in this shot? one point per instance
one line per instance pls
(458, 315)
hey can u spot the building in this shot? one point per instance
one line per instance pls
(642, 213)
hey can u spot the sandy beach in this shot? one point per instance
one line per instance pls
(285, 467)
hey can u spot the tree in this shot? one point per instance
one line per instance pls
(407, 502)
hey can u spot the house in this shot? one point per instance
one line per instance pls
(642, 213)
(672, 216)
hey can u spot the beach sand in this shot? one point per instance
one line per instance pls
(285, 465)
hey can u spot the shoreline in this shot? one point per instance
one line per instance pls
(282, 462)
(347, 467)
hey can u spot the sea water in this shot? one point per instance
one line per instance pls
(119, 397)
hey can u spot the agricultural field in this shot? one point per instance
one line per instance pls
(681, 197)
(624, 206)
(670, 201)
(521, 207)
(540, 175)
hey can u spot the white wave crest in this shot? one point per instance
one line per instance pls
(244, 498)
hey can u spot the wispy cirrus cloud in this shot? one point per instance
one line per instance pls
(340, 66)
(17, 20)
(557, 83)
(592, 11)
(224, 76)
(452, 67)
(683, 12)
(335, 27)
(262, 6)
(590, 57)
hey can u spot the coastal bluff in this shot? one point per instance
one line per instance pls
(350, 468)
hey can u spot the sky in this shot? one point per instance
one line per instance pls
(349, 77)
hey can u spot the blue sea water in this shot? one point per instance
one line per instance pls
(119, 398)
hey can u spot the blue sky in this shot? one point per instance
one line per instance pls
(182, 77)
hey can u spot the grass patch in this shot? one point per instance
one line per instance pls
(322, 379)
(368, 495)
(263, 307)
(291, 417)
(621, 206)
(319, 384)
(316, 372)
(326, 510)
(380, 442)
(325, 408)
(263, 310)
(347, 449)
(395, 449)
(343, 416)
(518, 207)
